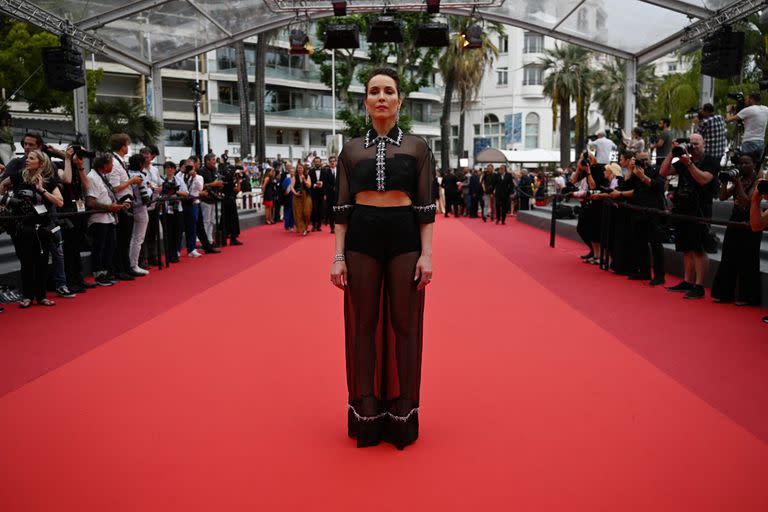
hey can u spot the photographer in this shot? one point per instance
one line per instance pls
(589, 224)
(645, 188)
(208, 196)
(755, 117)
(153, 182)
(230, 222)
(737, 278)
(35, 192)
(318, 192)
(122, 187)
(172, 214)
(142, 197)
(74, 181)
(101, 199)
(194, 184)
(663, 142)
(711, 126)
(696, 172)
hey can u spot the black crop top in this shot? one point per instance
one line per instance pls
(394, 162)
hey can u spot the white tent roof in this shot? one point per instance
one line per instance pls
(147, 33)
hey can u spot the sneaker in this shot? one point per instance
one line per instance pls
(684, 286)
(122, 276)
(65, 293)
(587, 256)
(194, 254)
(212, 250)
(139, 272)
(87, 285)
(697, 292)
(103, 280)
(657, 281)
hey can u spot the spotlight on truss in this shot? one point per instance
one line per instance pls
(341, 36)
(472, 38)
(299, 43)
(386, 29)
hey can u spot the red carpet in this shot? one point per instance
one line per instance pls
(231, 396)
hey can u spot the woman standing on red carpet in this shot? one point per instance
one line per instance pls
(383, 262)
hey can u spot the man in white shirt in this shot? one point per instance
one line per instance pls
(194, 183)
(154, 182)
(755, 117)
(122, 188)
(603, 148)
(101, 226)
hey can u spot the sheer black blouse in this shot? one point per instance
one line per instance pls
(394, 162)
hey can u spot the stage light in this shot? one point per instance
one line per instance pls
(433, 6)
(472, 37)
(342, 36)
(386, 29)
(431, 34)
(299, 43)
(339, 9)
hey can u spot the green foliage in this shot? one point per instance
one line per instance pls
(20, 57)
(609, 87)
(121, 116)
(414, 65)
(356, 126)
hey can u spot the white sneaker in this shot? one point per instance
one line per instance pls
(139, 270)
(194, 254)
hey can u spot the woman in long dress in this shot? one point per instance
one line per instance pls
(383, 262)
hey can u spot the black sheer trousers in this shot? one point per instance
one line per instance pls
(384, 325)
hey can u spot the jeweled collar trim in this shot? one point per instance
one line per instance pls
(395, 136)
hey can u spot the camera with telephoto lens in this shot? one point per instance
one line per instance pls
(143, 192)
(126, 199)
(169, 188)
(81, 152)
(728, 175)
(692, 113)
(740, 101)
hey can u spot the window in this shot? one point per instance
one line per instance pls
(477, 130)
(672, 67)
(233, 135)
(177, 138)
(531, 130)
(494, 130)
(533, 43)
(502, 76)
(454, 139)
(503, 44)
(533, 75)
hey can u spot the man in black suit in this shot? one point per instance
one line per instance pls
(451, 186)
(502, 189)
(476, 195)
(319, 178)
(330, 197)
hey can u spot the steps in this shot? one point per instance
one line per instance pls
(540, 218)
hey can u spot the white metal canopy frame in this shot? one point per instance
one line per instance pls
(146, 34)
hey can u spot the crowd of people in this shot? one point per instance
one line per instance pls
(688, 173)
(125, 210)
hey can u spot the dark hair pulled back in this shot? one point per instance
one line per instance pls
(391, 73)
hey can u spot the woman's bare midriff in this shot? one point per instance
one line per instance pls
(388, 198)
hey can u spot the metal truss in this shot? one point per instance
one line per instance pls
(27, 11)
(726, 16)
(375, 5)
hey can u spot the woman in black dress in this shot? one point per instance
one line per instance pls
(383, 262)
(37, 189)
(738, 276)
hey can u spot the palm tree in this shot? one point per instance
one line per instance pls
(462, 72)
(259, 132)
(568, 79)
(610, 81)
(122, 115)
(242, 90)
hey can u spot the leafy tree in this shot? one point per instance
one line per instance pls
(462, 72)
(122, 115)
(568, 78)
(609, 88)
(414, 65)
(21, 60)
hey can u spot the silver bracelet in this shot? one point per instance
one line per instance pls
(338, 257)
